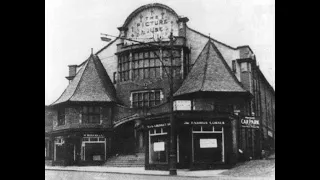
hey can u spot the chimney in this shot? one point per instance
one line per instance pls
(72, 72)
(182, 24)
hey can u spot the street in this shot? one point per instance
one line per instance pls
(74, 175)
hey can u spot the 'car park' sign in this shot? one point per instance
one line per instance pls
(250, 122)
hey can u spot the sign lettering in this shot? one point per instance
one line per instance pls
(250, 122)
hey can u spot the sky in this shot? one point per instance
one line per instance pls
(73, 27)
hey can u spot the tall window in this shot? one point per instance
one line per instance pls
(234, 68)
(146, 65)
(145, 98)
(91, 115)
(61, 117)
(124, 67)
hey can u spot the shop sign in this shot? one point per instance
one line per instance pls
(182, 105)
(208, 143)
(158, 125)
(93, 135)
(250, 122)
(158, 146)
(270, 134)
(204, 122)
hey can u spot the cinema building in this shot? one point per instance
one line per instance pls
(116, 103)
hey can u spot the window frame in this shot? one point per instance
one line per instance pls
(61, 117)
(90, 114)
(154, 98)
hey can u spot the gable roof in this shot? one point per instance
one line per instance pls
(91, 84)
(210, 73)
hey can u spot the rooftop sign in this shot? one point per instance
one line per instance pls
(152, 24)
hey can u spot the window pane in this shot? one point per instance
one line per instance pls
(85, 139)
(101, 139)
(85, 119)
(140, 104)
(136, 56)
(135, 104)
(146, 63)
(141, 55)
(151, 54)
(152, 103)
(152, 96)
(157, 72)
(97, 110)
(146, 73)
(152, 73)
(157, 102)
(151, 62)
(165, 53)
(157, 62)
(135, 97)
(136, 74)
(141, 64)
(146, 96)
(136, 64)
(91, 109)
(93, 139)
(141, 73)
(140, 97)
(85, 109)
(157, 95)
(146, 54)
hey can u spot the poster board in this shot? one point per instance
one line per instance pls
(96, 157)
(158, 146)
(208, 143)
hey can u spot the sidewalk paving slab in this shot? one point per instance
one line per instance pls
(136, 170)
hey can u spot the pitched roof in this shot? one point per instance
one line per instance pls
(91, 84)
(210, 73)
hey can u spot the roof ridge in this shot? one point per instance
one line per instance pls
(212, 38)
(86, 65)
(205, 65)
(111, 96)
(67, 88)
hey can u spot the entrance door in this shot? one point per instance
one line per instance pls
(184, 148)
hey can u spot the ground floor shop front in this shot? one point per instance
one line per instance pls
(204, 141)
(85, 147)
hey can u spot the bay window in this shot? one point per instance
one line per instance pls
(91, 115)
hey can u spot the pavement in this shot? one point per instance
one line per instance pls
(136, 171)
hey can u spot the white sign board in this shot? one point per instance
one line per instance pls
(97, 158)
(208, 143)
(182, 105)
(158, 146)
(270, 134)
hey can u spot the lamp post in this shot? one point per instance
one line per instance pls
(173, 138)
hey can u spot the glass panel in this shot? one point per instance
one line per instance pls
(140, 104)
(97, 110)
(140, 73)
(157, 72)
(136, 74)
(146, 54)
(93, 139)
(151, 62)
(135, 104)
(152, 103)
(85, 139)
(91, 109)
(157, 62)
(146, 63)
(196, 128)
(136, 56)
(135, 97)
(85, 109)
(101, 139)
(85, 119)
(157, 102)
(151, 54)
(152, 72)
(140, 97)
(158, 149)
(136, 64)
(146, 73)
(152, 96)
(141, 55)
(146, 96)
(157, 95)
(141, 64)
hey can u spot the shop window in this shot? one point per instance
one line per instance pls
(93, 149)
(145, 99)
(61, 117)
(158, 147)
(91, 115)
(59, 149)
